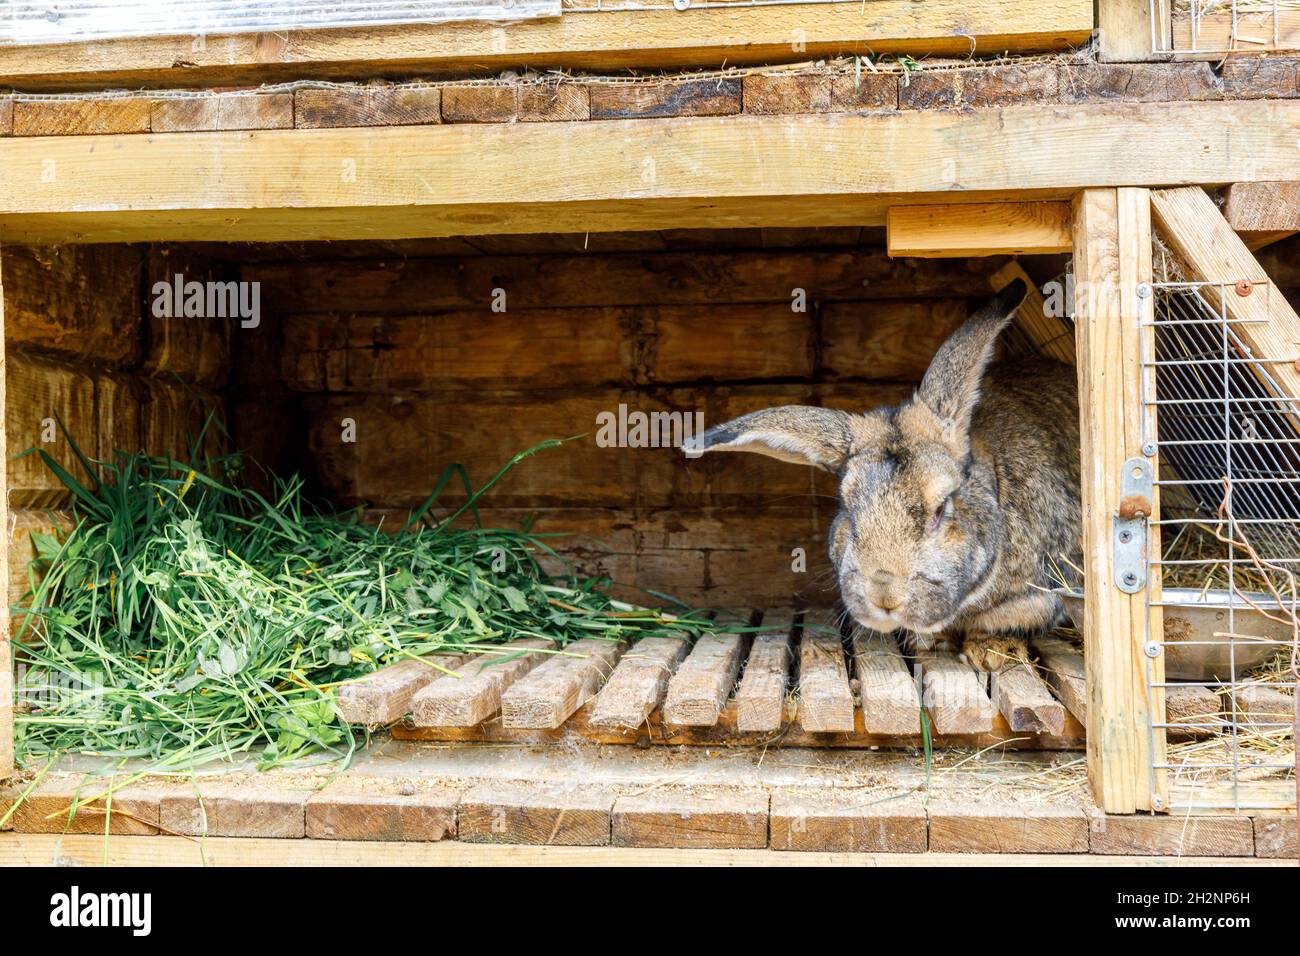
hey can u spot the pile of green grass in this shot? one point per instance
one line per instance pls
(187, 618)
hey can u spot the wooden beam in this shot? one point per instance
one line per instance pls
(586, 39)
(6, 653)
(1050, 335)
(85, 849)
(1266, 323)
(1263, 213)
(402, 182)
(1112, 255)
(1124, 31)
(979, 229)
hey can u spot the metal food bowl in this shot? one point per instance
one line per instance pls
(1196, 644)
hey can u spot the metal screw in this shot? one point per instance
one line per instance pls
(1125, 537)
(1153, 649)
(681, 4)
(1244, 288)
(1144, 291)
(1130, 578)
(1149, 449)
(1157, 803)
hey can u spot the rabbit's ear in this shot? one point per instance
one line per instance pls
(951, 386)
(801, 434)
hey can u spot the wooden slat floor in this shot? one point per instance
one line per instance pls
(797, 682)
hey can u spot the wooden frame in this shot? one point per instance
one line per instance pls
(467, 179)
(1112, 256)
(403, 182)
(586, 39)
(979, 229)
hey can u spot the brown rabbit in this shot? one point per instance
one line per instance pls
(950, 502)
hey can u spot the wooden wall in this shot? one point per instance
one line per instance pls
(82, 347)
(411, 351)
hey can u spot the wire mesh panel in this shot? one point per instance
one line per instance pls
(1228, 445)
(1224, 26)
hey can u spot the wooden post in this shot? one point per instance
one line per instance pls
(6, 656)
(1124, 30)
(1112, 256)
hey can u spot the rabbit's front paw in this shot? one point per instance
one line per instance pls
(994, 652)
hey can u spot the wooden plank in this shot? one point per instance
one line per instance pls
(1260, 707)
(889, 695)
(223, 809)
(1193, 226)
(1263, 212)
(464, 179)
(639, 682)
(984, 827)
(658, 732)
(245, 111)
(39, 395)
(1112, 256)
(386, 694)
(889, 339)
(697, 818)
(1174, 835)
(1024, 700)
(56, 806)
(760, 698)
(536, 815)
(475, 349)
(985, 87)
(825, 700)
(1124, 30)
(128, 114)
(707, 277)
(701, 686)
(474, 694)
(847, 823)
(382, 811)
(6, 636)
(80, 300)
(953, 694)
(1229, 798)
(1194, 705)
(376, 105)
(1050, 335)
(720, 97)
(1061, 664)
(549, 694)
(401, 441)
(979, 229)
(39, 849)
(583, 39)
(1275, 837)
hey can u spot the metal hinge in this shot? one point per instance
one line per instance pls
(1130, 532)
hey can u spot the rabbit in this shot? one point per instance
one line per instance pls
(951, 501)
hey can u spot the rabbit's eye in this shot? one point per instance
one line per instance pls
(936, 519)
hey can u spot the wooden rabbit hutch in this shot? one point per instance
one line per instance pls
(471, 236)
